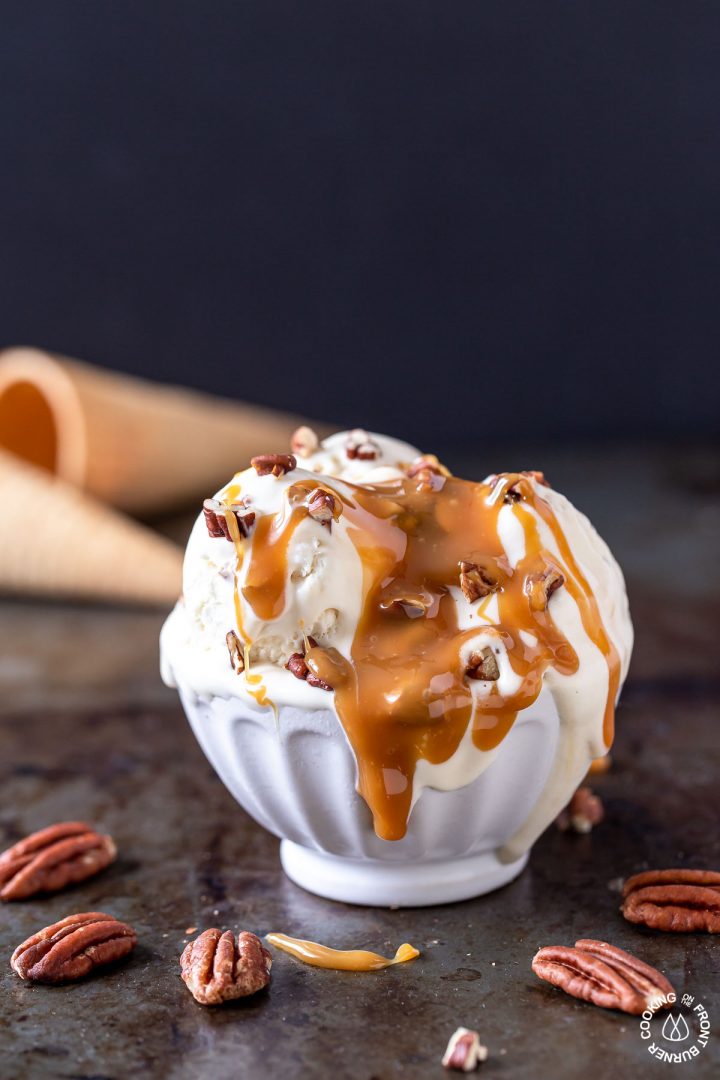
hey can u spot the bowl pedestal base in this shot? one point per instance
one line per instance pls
(385, 883)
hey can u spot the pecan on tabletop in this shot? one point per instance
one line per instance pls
(49, 860)
(72, 948)
(464, 1051)
(217, 967)
(678, 901)
(604, 975)
(582, 813)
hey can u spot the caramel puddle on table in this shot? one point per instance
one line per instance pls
(403, 694)
(339, 959)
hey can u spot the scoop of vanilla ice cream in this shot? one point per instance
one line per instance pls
(323, 594)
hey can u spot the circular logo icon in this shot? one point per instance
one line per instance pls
(675, 1031)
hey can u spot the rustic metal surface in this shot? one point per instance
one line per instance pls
(87, 732)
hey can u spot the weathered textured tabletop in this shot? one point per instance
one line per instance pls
(88, 732)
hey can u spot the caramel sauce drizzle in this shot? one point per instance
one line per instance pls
(256, 688)
(231, 496)
(403, 693)
(339, 959)
(264, 587)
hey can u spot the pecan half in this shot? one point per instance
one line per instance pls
(217, 522)
(277, 464)
(216, 967)
(584, 811)
(648, 981)
(237, 654)
(604, 975)
(361, 446)
(540, 587)
(72, 948)
(321, 506)
(475, 581)
(483, 665)
(304, 442)
(48, 860)
(464, 1051)
(679, 901)
(298, 667)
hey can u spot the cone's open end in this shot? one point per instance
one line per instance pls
(40, 417)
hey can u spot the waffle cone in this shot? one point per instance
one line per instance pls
(140, 446)
(57, 541)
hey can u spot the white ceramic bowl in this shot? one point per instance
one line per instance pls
(297, 778)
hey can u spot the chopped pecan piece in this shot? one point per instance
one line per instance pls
(321, 506)
(217, 968)
(429, 473)
(536, 475)
(679, 901)
(604, 975)
(216, 518)
(464, 1051)
(48, 860)
(426, 463)
(540, 587)
(512, 486)
(361, 446)
(298, 667)
(483, 665)
(304, 442)
(402, 596)
(476, 582)
(235, 649)
(277, 464)
(584, 810)
(72, 948)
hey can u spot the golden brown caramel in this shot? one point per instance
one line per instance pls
(404, 692)
(339, 959)
(264, 587)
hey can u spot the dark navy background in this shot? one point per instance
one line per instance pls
(464, 218)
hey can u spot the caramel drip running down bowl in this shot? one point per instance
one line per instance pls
(404, 694)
